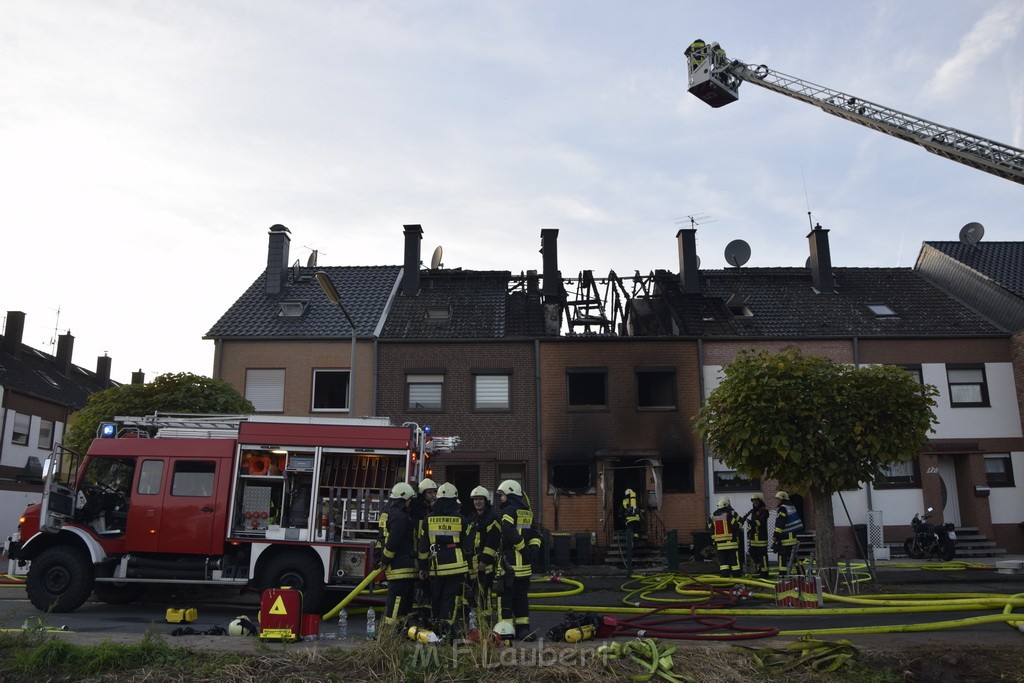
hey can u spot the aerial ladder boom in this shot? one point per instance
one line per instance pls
(716, 80)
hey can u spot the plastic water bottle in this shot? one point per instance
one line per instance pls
(472, 619)
(343, 625)
(371, 624)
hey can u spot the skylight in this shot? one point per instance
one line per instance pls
(292, 309)
(438, 313)
(881, 310)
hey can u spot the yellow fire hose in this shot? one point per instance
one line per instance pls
(336, 610)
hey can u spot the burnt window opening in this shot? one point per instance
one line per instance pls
(587, 389)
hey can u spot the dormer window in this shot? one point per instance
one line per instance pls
(438, 313)
(881, 310)
(293, 309)
(737, 305)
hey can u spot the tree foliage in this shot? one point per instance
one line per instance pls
(170, 393)
(814, 425)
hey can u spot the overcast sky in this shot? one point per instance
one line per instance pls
(146, 147)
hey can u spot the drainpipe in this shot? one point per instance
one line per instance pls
(856, 364)
(708, 465)
(376, 369)
(540, 450)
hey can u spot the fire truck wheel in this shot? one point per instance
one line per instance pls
(60, 579)
(118, 593)
(298, 571)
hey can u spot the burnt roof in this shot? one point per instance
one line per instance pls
(1001, 262)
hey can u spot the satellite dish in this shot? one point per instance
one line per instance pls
(807, 263)
(435, 260)
(311, 261)
(737, 253)
(972, 233)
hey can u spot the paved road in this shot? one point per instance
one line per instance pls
(95, 622)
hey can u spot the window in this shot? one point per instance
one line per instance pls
(150, 477)
(999, 469)
(193, 478)
(292, 309)
(45, 434)
(677, 476)
(265, 390)
(572, 477)
(424, 392)
(587, 389)
(656, 389)
(901, 475)
(967, 387)
(514, 471)
(491, 392)
(22, 424)
(330, 390)
(439, 313)
(730, 480)
(881, 310)
(915, 371)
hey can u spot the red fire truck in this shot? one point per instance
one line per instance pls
(255, 502)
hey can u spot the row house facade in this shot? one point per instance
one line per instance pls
(579, 417)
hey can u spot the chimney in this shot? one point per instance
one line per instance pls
(821, 260)
(411, 271)
(103, 370)
(277, 258)
(138, 377)
(552, 277)
(688, 261)
(65, 344)
(13, 333)
(532, 285)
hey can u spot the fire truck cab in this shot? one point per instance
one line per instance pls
(271, 502)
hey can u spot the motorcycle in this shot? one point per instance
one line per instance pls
(930, 540)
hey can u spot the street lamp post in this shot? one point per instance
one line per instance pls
(332, 293)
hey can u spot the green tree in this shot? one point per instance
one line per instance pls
(816, 426)
(180, 392)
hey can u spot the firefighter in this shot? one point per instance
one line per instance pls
(698, 50)
(398, 553)
(441, 557)
(419, 509)
(725, 526)
(757, 534)
(787, 525)
(484, 542)
(520, 545)
(631, 512)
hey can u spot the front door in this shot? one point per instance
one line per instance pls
(947, 478)
(629, 477)
(465, 478)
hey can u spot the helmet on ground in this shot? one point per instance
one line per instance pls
(480, 492)
(723, 502)
(447, 490)
(427, 485)
(629, 492)
(242, 626)
(510, 487)
(782, 495)
(503, 632)
(756, 496)
(403, 491)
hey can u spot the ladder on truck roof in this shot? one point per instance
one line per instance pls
(197, 425)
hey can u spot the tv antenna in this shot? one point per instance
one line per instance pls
(56, 330)
(694, 219)
(313, 254)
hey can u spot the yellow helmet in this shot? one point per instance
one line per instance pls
(629, 492)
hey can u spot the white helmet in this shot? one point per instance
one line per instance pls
(782, 495)
(402, 491)
(241, 626)
(480, 492)
(510, 487)
(447, 490)
(427, 485)
(723, 502)
(629, 492)
(756, 496)
(503, 633)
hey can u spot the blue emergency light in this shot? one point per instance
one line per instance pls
(108, 430)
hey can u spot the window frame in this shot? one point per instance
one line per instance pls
(491, 375)
(903, 481)
(983, 401)
(669, 480)
(264, 388)
(669, 376)
(1007, 481)
(733, 483)
(20, 433)
(424, 379)
(183, 467)
(571, 373)
(347, 372)
(558, 465)
(44, 438)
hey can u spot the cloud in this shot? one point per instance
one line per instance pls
(998, 26)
